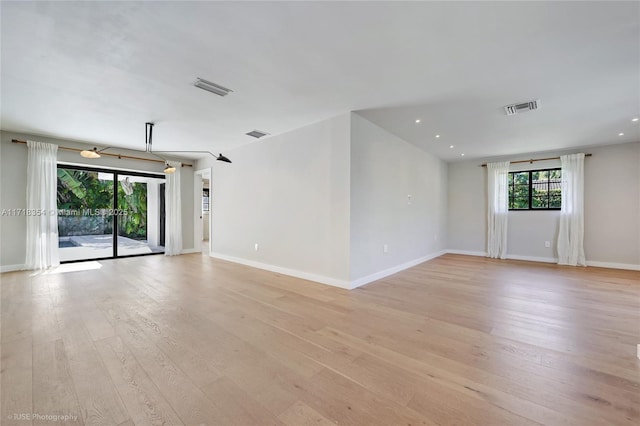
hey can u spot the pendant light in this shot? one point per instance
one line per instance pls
(92, 153)
(168, 169)
(222, 158)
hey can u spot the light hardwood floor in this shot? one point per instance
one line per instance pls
(192, 340)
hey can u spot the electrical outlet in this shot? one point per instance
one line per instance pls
(385, 248)
(547, 244)
(256, 247)
(409, 199)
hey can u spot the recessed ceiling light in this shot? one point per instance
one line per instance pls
(418, 120)
(462, 155)
(620, 134)
(634, 119)
(437, 136)
(450, 146)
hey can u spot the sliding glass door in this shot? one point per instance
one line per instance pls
(84, 233)
(105, 213)
(139, 229)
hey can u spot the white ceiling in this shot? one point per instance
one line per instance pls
(97, 71)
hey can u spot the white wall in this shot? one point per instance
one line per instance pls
(612, 205)
(13, 184)
(289, 194)
(205, 225)
(385, 170)
(321, 201)
(13, 180)
(466, 207)
(612, 209)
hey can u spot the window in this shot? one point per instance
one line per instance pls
(535, 190)
(205, 199)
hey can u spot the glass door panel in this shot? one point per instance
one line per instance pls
(139, 214)
(85, 220)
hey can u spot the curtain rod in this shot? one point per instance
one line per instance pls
(537, 159)
(121, 156)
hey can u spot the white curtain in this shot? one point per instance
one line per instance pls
(42, 206)
(498, 207)
(173, 216)
(571, 232)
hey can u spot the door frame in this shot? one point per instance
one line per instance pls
(198, 176)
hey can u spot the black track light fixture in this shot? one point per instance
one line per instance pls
(95, 152)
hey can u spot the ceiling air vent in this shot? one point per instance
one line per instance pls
(212, 87)
(522, 107)
(256, 134)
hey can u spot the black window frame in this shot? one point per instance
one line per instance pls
(530, 189)
(116, 173)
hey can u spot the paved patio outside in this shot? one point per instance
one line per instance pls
(96, 246)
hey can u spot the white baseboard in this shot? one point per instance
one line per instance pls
(350, 285)
(190, 250)
(594, 263)
(328, 280)
(393, 270)
(467, 252)
(286, 271)
(613, 265)
(509, 256)
(11, 268)
(532, 258)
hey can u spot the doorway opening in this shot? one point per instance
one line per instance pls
(202, 210)
(205, 216)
